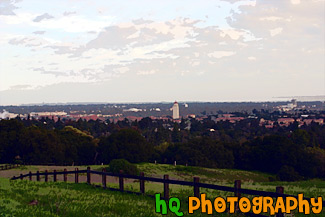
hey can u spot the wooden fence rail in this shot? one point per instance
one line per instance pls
(237, 190)
(9, 166)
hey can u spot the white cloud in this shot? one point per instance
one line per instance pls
(295, 2)
(232, 33)
(261, 42)
(69, 24)
(276, 31)
(271, 18)
(146, 72)
(220, 54)
(75, 24)
(21, 18)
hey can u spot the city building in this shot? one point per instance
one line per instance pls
(290, 106)
(175, 110)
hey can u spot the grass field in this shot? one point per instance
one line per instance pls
(68, 199)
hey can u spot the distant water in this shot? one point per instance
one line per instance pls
(304, 98)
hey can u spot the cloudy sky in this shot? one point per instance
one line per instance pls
(142, 51)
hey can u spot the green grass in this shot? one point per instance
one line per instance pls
(206, 175)
(62, 199)
(68, 199)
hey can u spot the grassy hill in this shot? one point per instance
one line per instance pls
(25, 198)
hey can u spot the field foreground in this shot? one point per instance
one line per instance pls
(25, 198)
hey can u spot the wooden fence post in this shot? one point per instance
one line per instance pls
(6, 166)
(76, 176)
(279, 190)
(65, 175)
(166, 187)
(46, 176)
(88, 176)
(196, 180)
(37, 176)
(30, 176)
(142, 183)
(121, 181)
(237, 193)
(104, 178)
(54, 175)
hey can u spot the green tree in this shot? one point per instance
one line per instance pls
(126, 144)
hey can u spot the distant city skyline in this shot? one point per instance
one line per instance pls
(148, 51)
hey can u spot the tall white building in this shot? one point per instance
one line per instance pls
(175, 110)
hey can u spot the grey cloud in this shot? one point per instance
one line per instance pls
(123, 38)
(67, 13)
(52, 72)
(284, 63)
(297, 50)
(141, 21)
(185, 22)
(211, 34)
(312, 30)
(20, 87)
(88, 72)
(26, 41)
(104, 73)
(7, 7)
(59, 49)
(113, 37)
(151, 36)
(293, 18)
(194, 56)
(231, 1)
(43, 17)
(39, 32)
(159, 65)
(16, 41)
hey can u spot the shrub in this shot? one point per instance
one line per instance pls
(288, 173)
(121, 164)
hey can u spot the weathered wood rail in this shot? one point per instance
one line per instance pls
(196, 184)
(9, 166)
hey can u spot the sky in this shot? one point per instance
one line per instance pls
(151, 51)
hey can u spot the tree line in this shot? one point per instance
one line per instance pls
(290, 152)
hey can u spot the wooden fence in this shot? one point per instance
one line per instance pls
(9, 166)
(196, 184)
